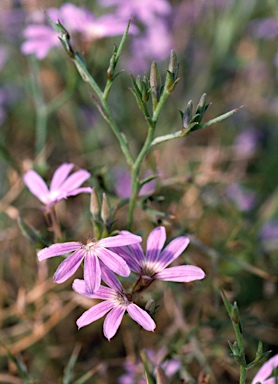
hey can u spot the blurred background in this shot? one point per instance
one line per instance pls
(219, 185)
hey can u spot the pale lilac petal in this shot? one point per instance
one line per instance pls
(181, 274)
(69, 266)
(77, 191)
(92, 272)
(103, 293)
(120, 240)
(141, 317)
(58, 249)
(110, 278)
(75, 180)
(155, 243)
(60, 175)
(114, 262)
(173, 250)
(112, 322)
(265, 371)
(94, 313)
(36, 185)
(129, 256)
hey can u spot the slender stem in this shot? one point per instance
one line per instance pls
(242, 378)
(103, 106)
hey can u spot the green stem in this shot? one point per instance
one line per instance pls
(142, 154)
(242, 378)
(103, 106)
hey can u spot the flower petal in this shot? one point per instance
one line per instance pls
(58, 249)
(265, 370)
(92, 272)
(173, 250)
(76, 191)
(36, 185)
(155, 243)
(112, 322)
(134, 256)
(120, 240)
(103, 293)
(75, 180)
(94, 313)
(181, 274)
(110, 278)
(141, 317)
(114, 262)
(60, 176)
(69, 266)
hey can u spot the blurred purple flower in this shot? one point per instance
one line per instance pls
(152, 265)
(135, 372)
(123, 184)
(246, 142)
(115, 303)
(90, 253)
(266, 28)
(269, 235)
(265, 371)
(145, 11)
(41, 38)
(61, 186)
(243, 199)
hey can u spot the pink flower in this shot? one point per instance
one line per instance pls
(265, 371)
(90, 253)
(61, 186)
(115, 303)
(152, 265)
(77, 20)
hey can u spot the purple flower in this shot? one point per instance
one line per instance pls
(115, 303)
(266, 28)
(152, 265)
(246, 142)
(90, 253)
(77, 20)
(61, 186)
(244, 199)
(144, 11)
(123, 184)
(265, 371)
(269, 235)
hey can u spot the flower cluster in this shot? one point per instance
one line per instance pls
(40, 38)
(103, 259)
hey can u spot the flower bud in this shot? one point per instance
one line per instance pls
(94, 205)
(105, 211)
(155, 81)
(173, 65)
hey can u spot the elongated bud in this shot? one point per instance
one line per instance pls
(187, 116)
(105, 211)
(173, 65)
(201, 105)
(94, 205)
(111, 68)
(155, 81)
(150, 306)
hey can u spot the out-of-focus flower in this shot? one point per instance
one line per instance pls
(155, 40)
(269, 235)
(263, 374)
(61, 186)
(152, 265)
(144, 11)
(123, 184)
(246, 142)
(134, 372)
(244, 199)
(41, 38)
(90, 253)
(266, 28)
(115, 304)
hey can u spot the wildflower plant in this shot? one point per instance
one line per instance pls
(116, 270)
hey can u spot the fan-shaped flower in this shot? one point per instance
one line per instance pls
(115, 304)
(152, 265)
(61, 186)
(90, 253)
